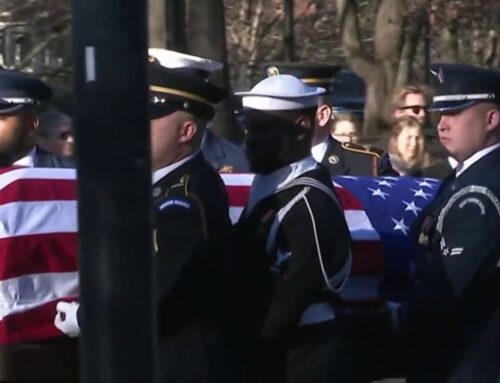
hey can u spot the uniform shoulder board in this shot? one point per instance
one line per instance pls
(363, 149)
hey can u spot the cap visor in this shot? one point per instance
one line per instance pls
(451, 106)
(9, 108)
(158, 111)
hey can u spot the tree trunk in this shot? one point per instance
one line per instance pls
(288, 31)
(377, 101)
(207, 38)
(176, 25)
(449, 44)
(395, 43)
(157, 28)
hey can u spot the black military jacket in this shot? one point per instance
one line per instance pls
(283, 273)
(356, 160)
(193, 260)
(455, 311)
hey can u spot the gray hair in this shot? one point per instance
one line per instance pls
(51, 120)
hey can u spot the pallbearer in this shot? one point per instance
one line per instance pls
(294, 240)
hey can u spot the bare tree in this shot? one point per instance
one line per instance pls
(395, 39)
(157, 28)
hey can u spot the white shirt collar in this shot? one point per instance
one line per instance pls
(462, 167)
(28, 160)
(453, 162)
(265, 185)
(318, 151)
(162, 172)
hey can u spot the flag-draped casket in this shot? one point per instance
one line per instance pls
(38, 241)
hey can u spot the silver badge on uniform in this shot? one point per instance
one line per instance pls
(333, 160)
(156, 192)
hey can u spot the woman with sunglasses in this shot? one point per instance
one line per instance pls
(412, 101)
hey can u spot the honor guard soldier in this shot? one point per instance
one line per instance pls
(340, 158)
(191, 237)
(294, 241)
(20, 98)
(191, 232)
(223, 155)
(454, 316)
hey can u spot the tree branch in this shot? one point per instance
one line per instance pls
(26, 61)
(356, 55)
(412, 37)
(389, 29)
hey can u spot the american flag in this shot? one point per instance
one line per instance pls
(38, 239)
(379, 212)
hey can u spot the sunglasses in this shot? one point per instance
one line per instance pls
(416, 109)
(63, 136)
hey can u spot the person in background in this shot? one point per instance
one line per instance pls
(55, 133)
(21, 96)
(407, 147)
(345, 127)
(412, 101)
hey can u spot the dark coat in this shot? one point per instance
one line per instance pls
(453, 319)
(440, 170)
(193, 260)
(356, 160)
(44, 159)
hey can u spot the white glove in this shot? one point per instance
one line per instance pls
(66, 320)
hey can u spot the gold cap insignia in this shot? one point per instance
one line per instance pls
(272, 71)
(333, 160)
(156, 192)
(226, 169)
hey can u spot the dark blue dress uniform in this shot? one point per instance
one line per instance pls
(294, 264)
(453, 319)
(17, 92)
(285, 278)
(192, 248)
(356, 160)
(340, 158)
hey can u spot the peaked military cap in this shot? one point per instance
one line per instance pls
(462, 86)
(20, 89)
(172, 90)
(194, 65)
(311, 73)
(281, 92)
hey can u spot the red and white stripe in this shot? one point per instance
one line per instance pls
(38, 247)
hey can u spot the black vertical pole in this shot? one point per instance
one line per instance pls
(114, 177)
(289, 36)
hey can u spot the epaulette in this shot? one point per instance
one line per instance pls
(363, 149)
(182, 186)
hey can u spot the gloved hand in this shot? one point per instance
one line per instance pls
(66, 318)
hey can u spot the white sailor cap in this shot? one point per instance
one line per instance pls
(282, 92)
(176, 60)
